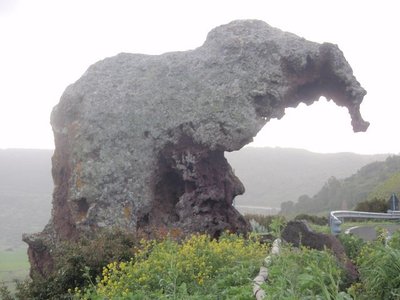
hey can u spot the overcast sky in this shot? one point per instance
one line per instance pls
(48, 44)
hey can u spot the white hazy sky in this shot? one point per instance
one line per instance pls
(46, 45)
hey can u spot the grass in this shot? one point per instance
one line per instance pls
(375, 223)
(13, 265)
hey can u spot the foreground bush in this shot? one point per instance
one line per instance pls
(304, 274)
(197, 268)
(72, 259)
(352, 245)
(379, 267)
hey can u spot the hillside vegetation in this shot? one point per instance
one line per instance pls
(275, 175)
(377, 180)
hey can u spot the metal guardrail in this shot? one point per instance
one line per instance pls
(335, 222)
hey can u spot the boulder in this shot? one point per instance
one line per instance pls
(140, 139)
(298, 233)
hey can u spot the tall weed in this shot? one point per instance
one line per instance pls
(304, 274)
(379, 268)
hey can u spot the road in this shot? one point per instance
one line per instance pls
(368, 232)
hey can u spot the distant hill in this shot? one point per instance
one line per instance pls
(375, 180)
(270, 175)
(275, 175)
(25, 193)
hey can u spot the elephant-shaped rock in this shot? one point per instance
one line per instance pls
(140, 139)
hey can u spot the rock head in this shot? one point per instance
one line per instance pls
(140, 139)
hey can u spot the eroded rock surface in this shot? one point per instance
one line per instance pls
(140, 139)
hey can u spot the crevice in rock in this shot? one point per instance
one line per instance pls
(82, 208)
(143, 221)
(167, 193)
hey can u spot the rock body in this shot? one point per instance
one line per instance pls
(298, 233)
(140, 139)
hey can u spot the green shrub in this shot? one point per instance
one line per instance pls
(379, 265)
(5, 293)
(77, 264)
(197, 268)
(373, 205)
(313, 219)
(304, 274)
(394, 241)
(352, 245)
(379, 268)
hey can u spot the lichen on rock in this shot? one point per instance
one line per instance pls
(140, 139)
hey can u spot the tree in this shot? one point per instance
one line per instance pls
(374, 205)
